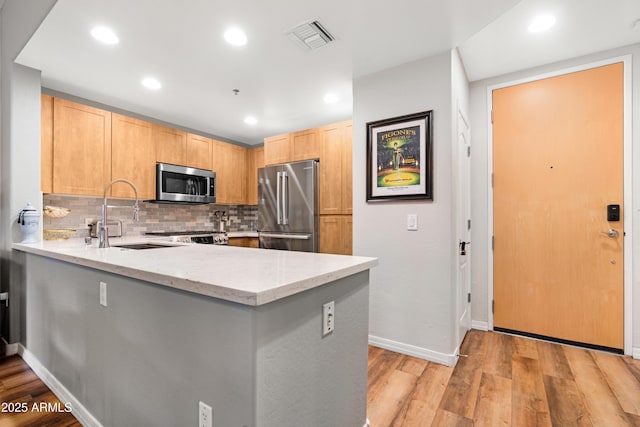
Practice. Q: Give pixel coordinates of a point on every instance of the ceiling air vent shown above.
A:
(311, 35)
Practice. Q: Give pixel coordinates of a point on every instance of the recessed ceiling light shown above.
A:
(105, 35)
(250, 120)
(331, 98)
(151, 83)
(541, 23)
(235, 36)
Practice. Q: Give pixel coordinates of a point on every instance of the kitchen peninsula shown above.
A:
(239, 329)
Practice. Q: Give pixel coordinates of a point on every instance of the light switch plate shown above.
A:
(412, 222)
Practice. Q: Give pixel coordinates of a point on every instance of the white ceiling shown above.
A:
(582, 27)
(181, 44)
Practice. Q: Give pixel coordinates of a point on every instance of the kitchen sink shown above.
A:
(138, 246)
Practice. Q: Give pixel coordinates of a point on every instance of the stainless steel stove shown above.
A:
(205, 237)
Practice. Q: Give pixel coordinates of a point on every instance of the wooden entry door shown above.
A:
(558, 162)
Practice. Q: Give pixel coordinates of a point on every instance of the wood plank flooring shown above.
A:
(20, 390)
(505, 381)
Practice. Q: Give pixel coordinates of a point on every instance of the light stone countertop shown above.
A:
(244, 275)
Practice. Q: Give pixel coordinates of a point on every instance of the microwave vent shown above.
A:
(311, 35)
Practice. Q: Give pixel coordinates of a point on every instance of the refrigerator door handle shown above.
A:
(286, 236)
(285, 198)
(278, 197)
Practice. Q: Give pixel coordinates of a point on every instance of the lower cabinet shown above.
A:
(245, 242)
(336, 234)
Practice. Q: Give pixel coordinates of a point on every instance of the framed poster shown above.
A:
(399, 158)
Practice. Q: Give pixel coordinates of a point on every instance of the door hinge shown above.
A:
(493, 306)
(469, 151)
(491, 116)
(468, 224)
(493, 243)
(491, 179)
(468, 297)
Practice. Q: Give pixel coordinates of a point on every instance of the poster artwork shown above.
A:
(399, 157)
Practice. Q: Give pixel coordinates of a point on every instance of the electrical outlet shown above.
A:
(328, 317)
(205, 415)
(103, 294)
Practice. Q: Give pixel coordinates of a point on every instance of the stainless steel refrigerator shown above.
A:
(288, 206)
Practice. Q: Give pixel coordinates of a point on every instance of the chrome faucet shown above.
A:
(103, 232)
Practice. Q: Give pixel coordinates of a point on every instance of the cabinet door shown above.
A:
(347, 235)
(305, 145)
(133, 156)
(330, 234)
(336, 234)
(46, 143)
(229, 163)
(255, 160)
(171, 145)
(199, 151)
(239, 241)
(81, 148)
(277, 149)
(331, 173)
(347, 166)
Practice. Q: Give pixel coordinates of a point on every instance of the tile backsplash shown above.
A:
(152, 216)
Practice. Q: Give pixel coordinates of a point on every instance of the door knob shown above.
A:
(463, 247)
(611, 233)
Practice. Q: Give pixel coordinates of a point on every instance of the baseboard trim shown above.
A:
(481, 326)
(636, 353)
(411, 350)
(79, 411)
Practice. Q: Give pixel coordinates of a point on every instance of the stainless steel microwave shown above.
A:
(183, 184)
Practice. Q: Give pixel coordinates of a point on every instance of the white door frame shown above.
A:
(628, 182)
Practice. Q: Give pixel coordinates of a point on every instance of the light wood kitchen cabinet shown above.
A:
(336, 234)
(277, 149)
(255, 160)
(81, 148)
(335, 169)
(199, 151)
(171, 145)
(46, 143)
(305, 145)
(347, 169)
(229, 163)
(133, 156)
(245, 242)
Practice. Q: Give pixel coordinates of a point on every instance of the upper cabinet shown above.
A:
(277, 149)
(230, 165)
(335, 169)
(255, 160)
(133, 156)
(291, 147)
(304, 145)
(46, 144)
(81, 148)
(171, 145)
(199, 151)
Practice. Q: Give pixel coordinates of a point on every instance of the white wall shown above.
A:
(480, 180)
(20, 144)
(411, 306)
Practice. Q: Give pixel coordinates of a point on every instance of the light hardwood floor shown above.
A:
(20, 390)
(505, 381)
